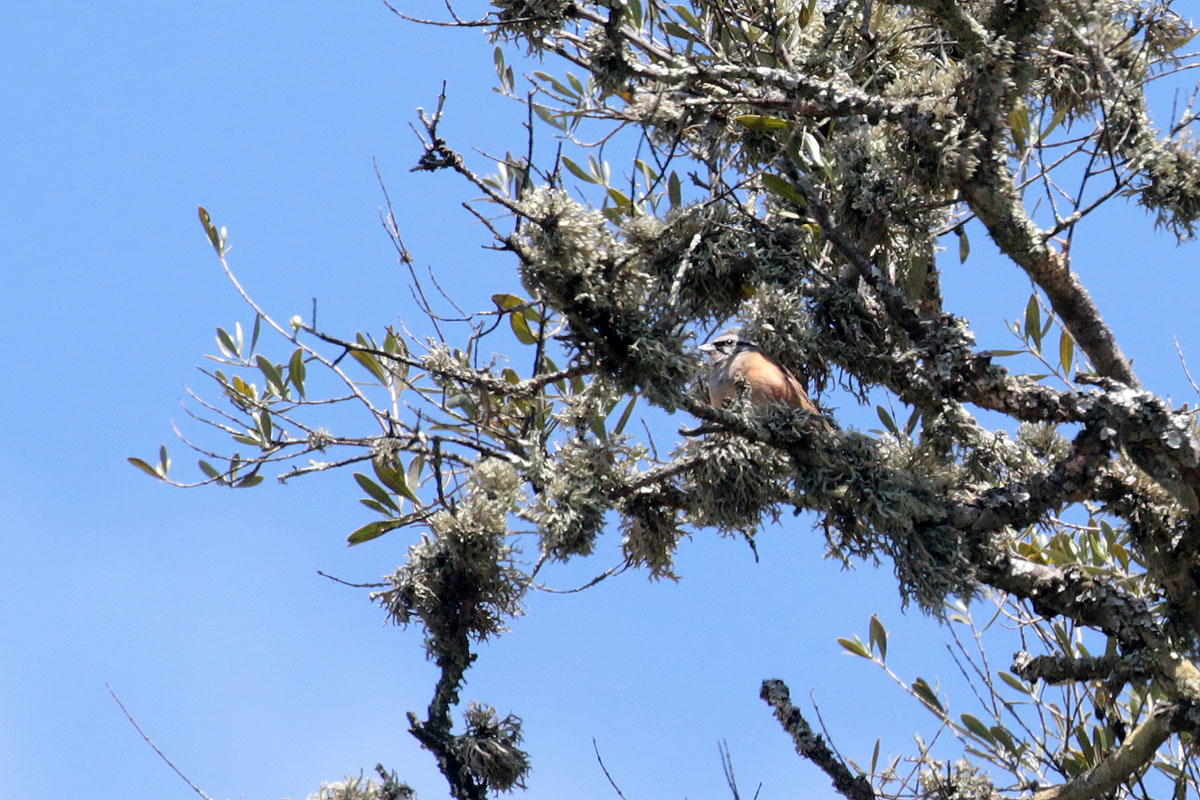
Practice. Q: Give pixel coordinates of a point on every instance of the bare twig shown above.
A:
(153, 746)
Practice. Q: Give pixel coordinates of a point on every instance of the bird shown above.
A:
(737, 362)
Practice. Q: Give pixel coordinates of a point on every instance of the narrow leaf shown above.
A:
(508, 302)
(855, 646)
(886, 419)
(578, 171)
(377, 492)
(413, 477)
(297, 370)
(975, 726)
(144, 467)
(1066, 351)
(1033, 322)
(925, 693)
(394, 479)
(373, 530)
(780, 187)
(619, 198)
(271, 373)
(879, 637)
(371, 363)
(225, 342)
(214, 236)
(624, 420)
(755, 122)
(520, 327)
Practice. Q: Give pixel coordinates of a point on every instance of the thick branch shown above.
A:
(811, 746)
(1070, 669)
(1123, 763)
(991, 196)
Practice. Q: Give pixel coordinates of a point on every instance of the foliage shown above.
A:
(803, 168)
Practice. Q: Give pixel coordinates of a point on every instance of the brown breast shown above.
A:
(768, 381)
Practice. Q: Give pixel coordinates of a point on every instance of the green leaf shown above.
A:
(1033, 322)
(879, 637)
(911, 425)
(214, 236)
(674, 190)
(855, 646)
(508, 302)
(551, 119)
(413, 477)
(756, 122)
(1001, 735)
(780, 187)
(555, 82)
(371, 363)
(925, 693)
(378, 508)
(1059, 115)
(520, 327)
(377, 492)
(1018, 121)
(164, 462)
(1014, 682)
(886, 419)
(225, 342)
(245, 389)
(248, 481)
(1066, 351)
(624, 420)
(578, 171)
(373, 530)
(264, 427)
(144, 467)
(619, 198)
(395, 479)
(805, 17)
(964, 245)
(975, 726)
(209, 470)
(688, 17)
(272, 374)
(297, 371)
(254, 333)
(812, 149)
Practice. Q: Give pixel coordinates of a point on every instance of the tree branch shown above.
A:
(811, 745)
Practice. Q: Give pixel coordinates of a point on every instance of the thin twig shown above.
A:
(611, 782)
(353, 585)
(153, 746)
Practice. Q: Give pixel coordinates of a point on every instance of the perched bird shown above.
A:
(740, 361)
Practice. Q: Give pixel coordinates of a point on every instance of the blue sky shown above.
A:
(203, 608)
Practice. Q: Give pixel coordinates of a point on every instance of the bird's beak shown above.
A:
(706, 348)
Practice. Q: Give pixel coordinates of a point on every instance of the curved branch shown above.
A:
(1134, 754)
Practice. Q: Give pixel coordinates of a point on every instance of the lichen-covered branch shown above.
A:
(810, 745)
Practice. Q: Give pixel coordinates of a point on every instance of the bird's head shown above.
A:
(725, 346)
